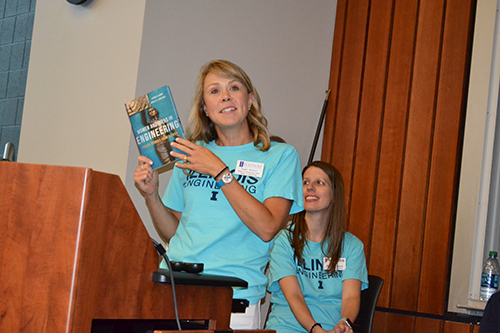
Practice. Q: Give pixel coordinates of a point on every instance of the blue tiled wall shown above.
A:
(16, 29)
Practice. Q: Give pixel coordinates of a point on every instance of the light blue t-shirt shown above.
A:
(211, 233)
(322, 292)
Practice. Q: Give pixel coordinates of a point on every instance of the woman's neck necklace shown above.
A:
(229, 142)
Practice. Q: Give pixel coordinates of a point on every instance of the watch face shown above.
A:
(227, 177)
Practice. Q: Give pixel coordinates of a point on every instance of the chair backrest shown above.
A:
(369, 298)
(491, 320)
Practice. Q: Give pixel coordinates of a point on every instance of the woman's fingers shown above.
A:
(195, 157)
(144, 172)
(181, 156)
(185, 143)
(144, 160)
(190, 151)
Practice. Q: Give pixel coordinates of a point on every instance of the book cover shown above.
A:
(155, 123)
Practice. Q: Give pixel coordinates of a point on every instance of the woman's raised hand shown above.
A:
(196, 158)
(145, 177)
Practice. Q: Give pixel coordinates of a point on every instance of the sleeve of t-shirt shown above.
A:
(285, 180)
(282, 263)
(354, 253)
(173, 197)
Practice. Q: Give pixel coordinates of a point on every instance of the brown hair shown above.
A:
(201, 127)
(337, 219)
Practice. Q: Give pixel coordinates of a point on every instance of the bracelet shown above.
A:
(347, 321)
(313, 326)
(221, 172)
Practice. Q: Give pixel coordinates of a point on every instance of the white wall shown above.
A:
(285, 47)
(83, 67)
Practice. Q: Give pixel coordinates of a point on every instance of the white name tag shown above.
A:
(251, 169)
(341, 264)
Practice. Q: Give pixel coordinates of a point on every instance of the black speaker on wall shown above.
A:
(77, 2)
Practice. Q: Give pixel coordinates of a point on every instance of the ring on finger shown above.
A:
(185, 158)
(142, 166)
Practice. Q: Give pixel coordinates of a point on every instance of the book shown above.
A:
(155, 123)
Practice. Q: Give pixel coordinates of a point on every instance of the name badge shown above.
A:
(341, 264)
(251, 169)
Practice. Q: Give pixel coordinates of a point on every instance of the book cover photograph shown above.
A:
(155, 123)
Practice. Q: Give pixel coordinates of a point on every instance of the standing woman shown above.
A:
(317, 269)
(233, 190)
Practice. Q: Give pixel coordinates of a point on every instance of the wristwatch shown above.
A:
(226, 179)
(347, 321)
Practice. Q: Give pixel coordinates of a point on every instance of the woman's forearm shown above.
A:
(264, 219)
(351, 298)
(293, 294)
(165, 221)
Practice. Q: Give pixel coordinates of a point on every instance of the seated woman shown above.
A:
(317, 269)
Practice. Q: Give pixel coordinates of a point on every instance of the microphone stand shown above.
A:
(318, 129)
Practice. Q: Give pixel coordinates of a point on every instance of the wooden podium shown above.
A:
(74, 249)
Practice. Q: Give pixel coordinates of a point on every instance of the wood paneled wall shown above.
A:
(394, 128)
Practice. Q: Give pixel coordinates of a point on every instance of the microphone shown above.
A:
(162, 252)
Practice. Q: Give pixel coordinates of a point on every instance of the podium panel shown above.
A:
(75, 249)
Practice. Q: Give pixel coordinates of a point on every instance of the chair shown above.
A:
(491, 320)
(369, 298)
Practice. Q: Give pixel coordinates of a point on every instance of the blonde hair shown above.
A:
(201, 128)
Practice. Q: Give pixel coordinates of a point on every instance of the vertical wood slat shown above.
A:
(417, 157)
(393, 323)
(349, 89)
(392, 144)
(335, 70)
(369, 123)
(444, 166)
(428, 325)
(454, 327)
(393, 128)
